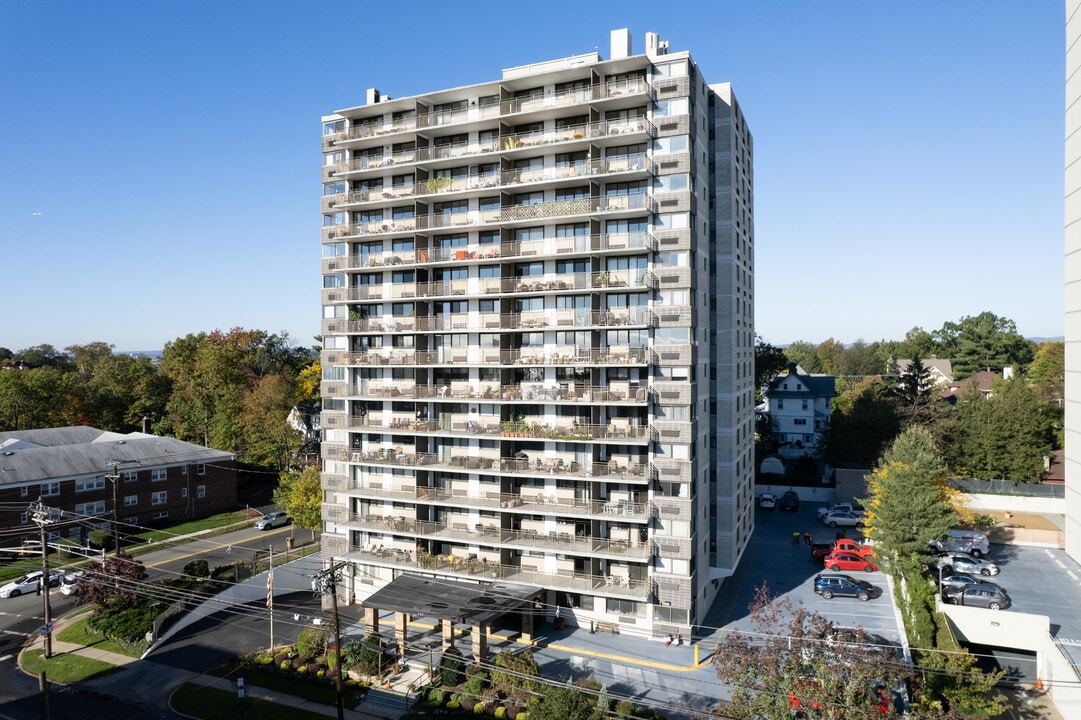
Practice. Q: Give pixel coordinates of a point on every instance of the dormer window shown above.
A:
(798, 386)
(784, 386)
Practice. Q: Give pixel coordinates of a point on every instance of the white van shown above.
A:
(973, 542)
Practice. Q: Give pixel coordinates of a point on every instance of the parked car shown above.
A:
(829, 585)
(840, 507)
(29, 583)
(842, 518)
(819, 551)
(273, 520)
(848, 561)
(951, 563)
(767, 501)
(70, 584)
(861, 549)
(790, 501)
(973, 542)
(960, 581)
(985, 595)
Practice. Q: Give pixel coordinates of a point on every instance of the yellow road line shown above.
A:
(195, 554)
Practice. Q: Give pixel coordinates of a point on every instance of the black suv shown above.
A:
(829, 584)
(790, 501)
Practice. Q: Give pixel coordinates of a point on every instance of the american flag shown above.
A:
(269, 588)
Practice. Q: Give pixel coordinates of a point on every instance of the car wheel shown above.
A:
(864, 595)
(828, 594)
(15, 593)
(868, 568)
(947, 569)
(985, 572)
(833, 524)
(835, 567)
(976, 553)
(994, 606)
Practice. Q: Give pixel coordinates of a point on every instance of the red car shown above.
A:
(852, 546)
(844, 560)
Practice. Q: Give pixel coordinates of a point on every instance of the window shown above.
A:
(780, 404)
(161, 515)
(133, 520)
(91, 508)
(131, 476)
(626, 607)
(666, 613)
(158, 474)
(804, 404)
(88, 484)
(183, 492)
(200, 491)
(24, 491)
(24, 518)
(130, 500)
(159, 498)
(51, 488)
(799, 421)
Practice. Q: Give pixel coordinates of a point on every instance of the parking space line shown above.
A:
(1060, 564)
(1050, 554)
(1071, 574)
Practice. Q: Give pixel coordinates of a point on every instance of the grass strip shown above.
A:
(78, 634)
(65, 667)
(212, 704)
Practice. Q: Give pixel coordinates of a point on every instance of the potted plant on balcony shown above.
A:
(602, 280)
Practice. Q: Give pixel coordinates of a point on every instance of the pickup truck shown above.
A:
(864, 551)
(840, 507)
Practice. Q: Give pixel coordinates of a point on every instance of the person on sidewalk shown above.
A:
(795, 537)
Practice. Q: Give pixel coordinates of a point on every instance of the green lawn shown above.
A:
(324, 692)
(64, 667)
(76, 632)
(213, 704)
(207, 523)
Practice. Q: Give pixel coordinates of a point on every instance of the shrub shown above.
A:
(321, 674)
(264, 659)
(453, 705)
(312, 642)
(523, 716)
(501, 712)
(475, 685)
(478, 709)
(436, 695)
(512, 712)
(286, 665)
(197, 569)
(450, 667)
(625, 708)
(100, 538)
(302, 670)
(511, 667)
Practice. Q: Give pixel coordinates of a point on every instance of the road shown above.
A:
(21, 618)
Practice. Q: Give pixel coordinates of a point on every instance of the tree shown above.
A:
(983, 342)
(1048, 370)
(110, 583)
(863, 421)
(269, 439)
(768, 362)
(915, 395)
(300, 495)
(805, 355)
(791, 660)
(830, 354)
(910, 502)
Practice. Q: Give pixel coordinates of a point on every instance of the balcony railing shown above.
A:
(628, 472)
(472, 567)
(564, 541)
(384, 127)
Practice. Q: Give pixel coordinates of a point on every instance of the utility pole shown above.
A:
(270, 596)
(114, 476)
(43, 515)
(323, 583)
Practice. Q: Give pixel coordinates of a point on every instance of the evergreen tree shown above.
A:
(909, 501)
(984, 342)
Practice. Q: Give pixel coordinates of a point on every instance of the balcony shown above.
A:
(558, 541)
(445, 152)
(380, 126)
(457, 565)
(628, 471)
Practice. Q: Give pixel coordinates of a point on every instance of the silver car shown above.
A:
(272, 520)
(966, 564)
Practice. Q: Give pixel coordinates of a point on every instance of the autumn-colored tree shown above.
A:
(300, 495)
(110, 583)
(268, 438)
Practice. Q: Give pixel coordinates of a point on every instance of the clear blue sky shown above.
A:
(908, 156)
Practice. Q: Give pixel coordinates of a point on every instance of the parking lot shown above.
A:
(788, 569)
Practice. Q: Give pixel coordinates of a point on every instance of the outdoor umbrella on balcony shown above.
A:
(520, 455)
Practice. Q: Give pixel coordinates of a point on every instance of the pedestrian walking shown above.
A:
(807, 538)
(795, 538)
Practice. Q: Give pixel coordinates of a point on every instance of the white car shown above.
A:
(767, 501)
(29, 583)
(272, 520)
(839, 507)
(70, 585)
(842, 518)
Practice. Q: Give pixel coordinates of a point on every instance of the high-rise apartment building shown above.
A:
(538, 332)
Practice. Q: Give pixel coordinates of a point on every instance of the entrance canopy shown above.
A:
(459, 602)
